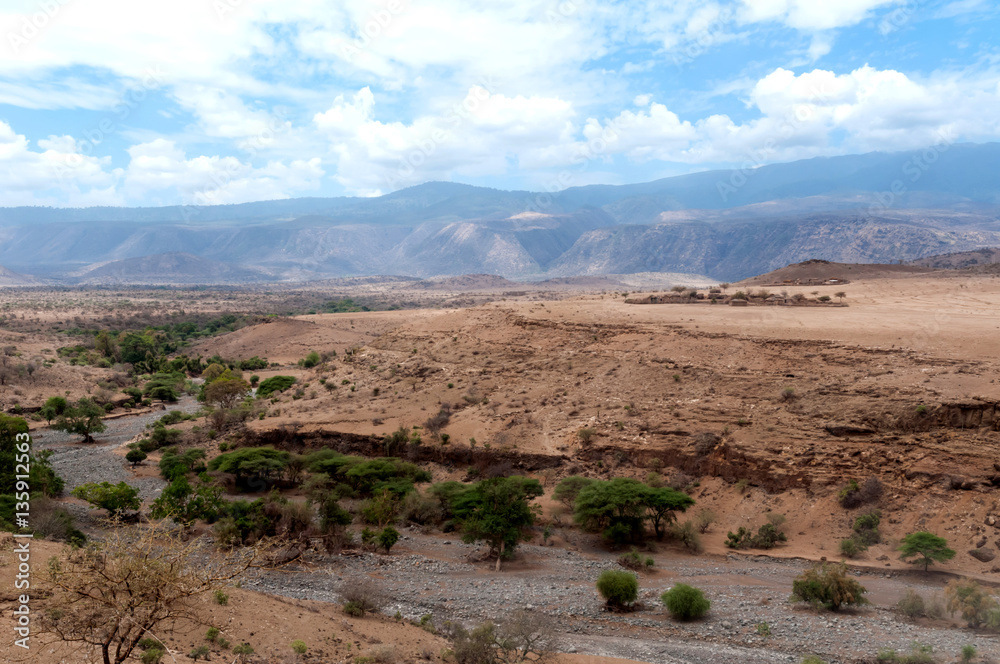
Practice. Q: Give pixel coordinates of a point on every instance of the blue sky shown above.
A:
(117, 102)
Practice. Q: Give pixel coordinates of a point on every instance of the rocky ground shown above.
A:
(428, 574)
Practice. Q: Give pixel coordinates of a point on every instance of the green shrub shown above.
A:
(851, 547)
(274, 384)
(685, 602)
(619, 589)
(212, 634)
(631, 560)
(299, 647)
(968, 653)
(152, 656)
(766, 538)
(221, 598)
(828, 586)
(387, 538)
(199, 652)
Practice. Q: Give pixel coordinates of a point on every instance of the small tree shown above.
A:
(109, 595)
(498, 511)
(619, 589)
(927, 545)
(970, 600)
(83, 419)
(135, 457)
(840, 295)
(226, 391)
(828, 586)
(685, 602)
(115, 498)
(387, 538)
(568, 489)
(53, 408)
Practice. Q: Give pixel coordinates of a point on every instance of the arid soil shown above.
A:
(756, 409)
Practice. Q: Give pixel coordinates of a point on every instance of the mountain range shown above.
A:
(876, 207)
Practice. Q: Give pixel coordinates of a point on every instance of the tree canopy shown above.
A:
(619, 508)
(497, 511)
(928, 546)
(83, 418)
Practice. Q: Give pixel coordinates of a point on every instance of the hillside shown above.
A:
(829, 208)
(170, 268)
(816, 272)
(11, 278)
(962, 260)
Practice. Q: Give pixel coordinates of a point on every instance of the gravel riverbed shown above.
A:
(431, 575)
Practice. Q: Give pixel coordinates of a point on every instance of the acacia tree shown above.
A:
(226, 391)
(925, 544)
(83, 419)
(109, 595)
(497, 511)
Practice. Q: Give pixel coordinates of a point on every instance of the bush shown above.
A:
(619, 589)
(362, 595)
(687, 535)
(704, 519)
(766, 538)
(632, 560)
(299, 647)
(310, 360)
(971, 601)
(221, 598)
(115, 498)
(912, 604)
(274, 384)
(851, 547)
(685, 602)
(387, 538)
(866, 528)
(212, 634)
(853, 495)
(828, 586)
(135, 457)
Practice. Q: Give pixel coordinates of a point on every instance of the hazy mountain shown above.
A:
(170, 268)
(962, 260)
(11, 278)
(727, 224)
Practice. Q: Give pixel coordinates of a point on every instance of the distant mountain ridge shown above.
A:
(727, 224)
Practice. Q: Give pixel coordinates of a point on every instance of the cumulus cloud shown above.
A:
(477, 135)
(159, 166)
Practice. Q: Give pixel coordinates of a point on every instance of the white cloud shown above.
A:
(57, 172)
(478, 135)
(811, 14)
(160, 167)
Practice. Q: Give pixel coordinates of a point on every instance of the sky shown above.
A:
(125, 103)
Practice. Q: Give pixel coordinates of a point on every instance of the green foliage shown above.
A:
(310, 360)
(53, 408)
(619, 508)
(387, 538)
(968, 653)
(866, 527)
(41, 477)
(299, 647)
(261, 463)
(920, 653)
(173, 465)
(828, 586)
(212, 634)
(928, 546)
(135, 457)
(164, 386)
(497, 511)
(274, 384)
(973, 602)
(83, 419)
(152, 656)
(380, 510)
(632, 560)
(201, 652)
(569, 488)
(767, 537)
(115, 498)
(184, 503)
(685, 602)
(619, 589)
(222, 599)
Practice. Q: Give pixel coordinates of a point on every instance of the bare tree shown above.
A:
(108, 596)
